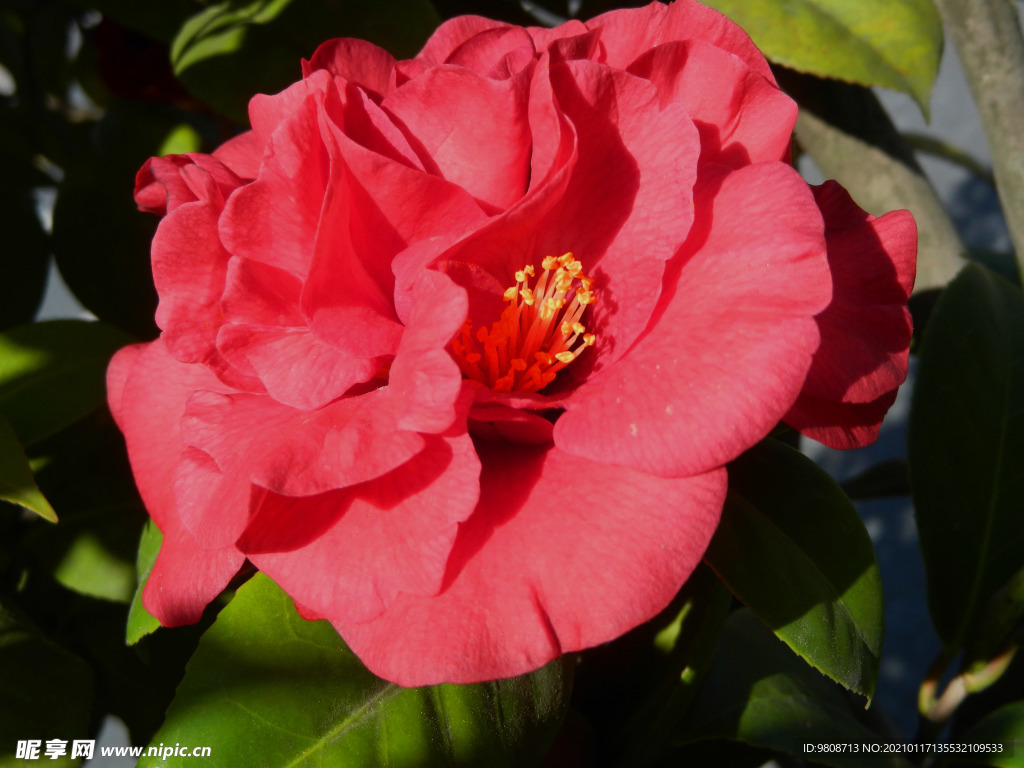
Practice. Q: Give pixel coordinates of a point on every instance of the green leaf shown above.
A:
(232, 50)
(140, 621)
(690, 642)
(965, 445)
(893, 43)
(997, 624)
(17, 485)
(87, 552)
(46, 692)
(1004, 726)
(53, 373)
(266, 687)
(791, 546)
(759, 693)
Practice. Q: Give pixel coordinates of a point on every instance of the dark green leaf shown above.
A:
(886, 478)
(1002, 727)
(791, 547)
(140, 621)
(101, 241)
(965, 446)
(266, 687)
(233, 50)
(893, 43)
(997, 624)
(690, 642)
(141, 17)
(45, 691)
(17, 485)
(53, 373)
(759, 693)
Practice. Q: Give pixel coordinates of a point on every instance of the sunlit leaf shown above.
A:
(965, 446)
(893, 43)
(16, 482)
(792, 548)
(140, 621)
(266, 687)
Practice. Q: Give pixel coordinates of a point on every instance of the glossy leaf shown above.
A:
(893, 43)
(140, 621)
(232, 50)
(266, 687)
(17, 485)
(965, 446)
(53, 373)
(759, 693)
(1005, 727)
(792, 548)
(45, 691)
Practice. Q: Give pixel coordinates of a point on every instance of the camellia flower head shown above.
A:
(456, 349)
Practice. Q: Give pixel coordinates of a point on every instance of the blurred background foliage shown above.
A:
(757, 656)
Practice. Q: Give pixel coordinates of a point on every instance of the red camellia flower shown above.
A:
(456, 349)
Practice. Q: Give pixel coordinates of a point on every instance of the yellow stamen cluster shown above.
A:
(533, 340)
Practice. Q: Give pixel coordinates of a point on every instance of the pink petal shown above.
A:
(358, 61)
(453, 33)
(742, 116)
(480, 140)
(148, 389)
(295, 366)
(187, 576)
(274, 219)
(731, 342)
(295, 452)
(424, 380)
(629, 33)
(351, 552)
(212, 506)
(561, 554)
(242, 155)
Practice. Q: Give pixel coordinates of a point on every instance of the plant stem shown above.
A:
(988, 38)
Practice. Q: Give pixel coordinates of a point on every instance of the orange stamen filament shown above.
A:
(535, 336)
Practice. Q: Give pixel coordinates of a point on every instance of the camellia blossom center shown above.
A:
(535, 336)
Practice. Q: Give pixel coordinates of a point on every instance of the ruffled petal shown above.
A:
(742, 117)
(295, 452)
(358, 61)
(865, 330)
(147, 390)
(731, 343)
(351, 552)
(629, 33)
(561, 554)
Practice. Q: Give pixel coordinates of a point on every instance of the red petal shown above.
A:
(358, 61)
(629, 33)
(300, 453)
(728, 350)
(865, 331)
(742, 116)
(148, 390)
(561, 554)
(350, 552)
(480, 140)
